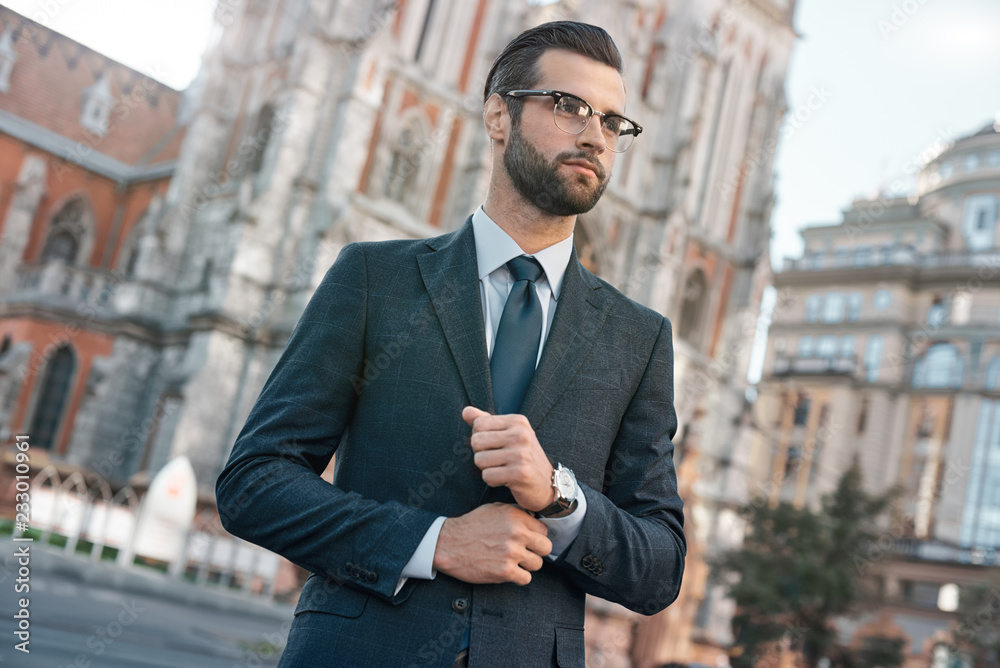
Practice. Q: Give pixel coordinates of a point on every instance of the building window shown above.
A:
(805, 346)
(801, 410)
(947, 169)
(95, 107)
(52, 399)
(882, 300)
(401, 178)
(8, 56)
(971, 162)
(813, 304)
(424, 31)
(863, 256)
(61, 246)
(993, 159)
(854, 301)
(826, 346)
(847, 345)
(979, 220)
(833, 307)
(941, 366)
(873, 357)
(937, 314)
(991, 381)
(258, 142)
(692, 306)
(66, 232)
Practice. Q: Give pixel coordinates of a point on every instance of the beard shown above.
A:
(539, 182)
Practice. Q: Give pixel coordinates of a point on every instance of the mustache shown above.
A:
(589, 158)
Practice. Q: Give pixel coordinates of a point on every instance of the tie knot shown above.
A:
(524, 268)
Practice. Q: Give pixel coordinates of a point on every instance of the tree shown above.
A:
(798, 570)
(978, 631)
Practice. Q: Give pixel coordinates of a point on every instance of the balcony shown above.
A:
(898, 256)
(785, 365)
(64, 285)
(934, 550)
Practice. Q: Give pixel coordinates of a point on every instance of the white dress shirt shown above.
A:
(494, 248)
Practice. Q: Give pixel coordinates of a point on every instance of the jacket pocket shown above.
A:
(322, 595)
(569, 647)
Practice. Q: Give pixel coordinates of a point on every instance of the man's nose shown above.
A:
(593, 135)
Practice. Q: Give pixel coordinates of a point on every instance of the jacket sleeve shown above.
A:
(270, 491)
(631, 546)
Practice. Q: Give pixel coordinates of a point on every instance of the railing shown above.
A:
(894, 256)
(932, 550)
(814, 365)
(82, 508)
(76, 285)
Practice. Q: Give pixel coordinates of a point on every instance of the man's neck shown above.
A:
(532, 229)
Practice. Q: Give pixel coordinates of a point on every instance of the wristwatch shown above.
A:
(564, 484)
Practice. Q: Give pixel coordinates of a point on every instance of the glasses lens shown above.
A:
(571, 114)
(619, 132)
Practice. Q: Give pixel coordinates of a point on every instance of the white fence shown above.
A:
(85, 509)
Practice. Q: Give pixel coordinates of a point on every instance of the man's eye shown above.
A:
(574, 106)
(614, 124)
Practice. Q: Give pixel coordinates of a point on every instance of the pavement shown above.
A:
(149, 582)
(87, 614)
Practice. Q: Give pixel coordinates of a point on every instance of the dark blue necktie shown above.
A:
(518, 337)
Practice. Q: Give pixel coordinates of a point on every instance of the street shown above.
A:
(89, 622)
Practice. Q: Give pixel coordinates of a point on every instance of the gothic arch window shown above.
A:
(67, 232)
(258, 142)
(61, 245)
(53, 397)
(693, 306)
(941, 366)
(401, 178)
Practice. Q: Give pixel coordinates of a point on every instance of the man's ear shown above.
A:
(496, 118)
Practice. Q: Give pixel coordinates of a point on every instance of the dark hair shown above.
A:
(517, 65)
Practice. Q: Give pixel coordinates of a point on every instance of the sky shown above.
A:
(874, 88)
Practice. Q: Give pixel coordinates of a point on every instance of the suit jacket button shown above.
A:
(588, 561)
(371, 577)
(460, 604)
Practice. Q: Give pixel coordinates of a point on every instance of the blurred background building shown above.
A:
(885, 347)
(159, 246)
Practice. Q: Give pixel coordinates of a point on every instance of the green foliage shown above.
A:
(977, 633)
(798, 570)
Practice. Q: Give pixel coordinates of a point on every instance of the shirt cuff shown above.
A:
(421, 564)
(564, 530)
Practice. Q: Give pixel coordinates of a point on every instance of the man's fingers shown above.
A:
(539, 544)
(470, 413)
(530, 561)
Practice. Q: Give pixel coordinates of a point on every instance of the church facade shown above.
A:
(156, 255)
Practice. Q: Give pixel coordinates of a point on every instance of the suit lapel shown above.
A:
(580, 314)
(451, 277)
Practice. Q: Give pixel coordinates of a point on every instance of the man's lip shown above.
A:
(582, 164)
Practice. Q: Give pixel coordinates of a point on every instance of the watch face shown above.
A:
(565, 483)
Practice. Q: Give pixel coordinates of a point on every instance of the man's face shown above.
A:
(561, 173)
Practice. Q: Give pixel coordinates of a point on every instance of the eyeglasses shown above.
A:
(572, 114)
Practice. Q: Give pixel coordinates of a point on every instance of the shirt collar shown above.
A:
(494, 248)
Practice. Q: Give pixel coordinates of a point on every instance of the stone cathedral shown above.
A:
(158, 246)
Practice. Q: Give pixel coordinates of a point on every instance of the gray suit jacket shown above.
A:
(388, 351)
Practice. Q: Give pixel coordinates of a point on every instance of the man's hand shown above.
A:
(508, 453)
(494, 543)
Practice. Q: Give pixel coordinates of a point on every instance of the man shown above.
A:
(465, 379)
